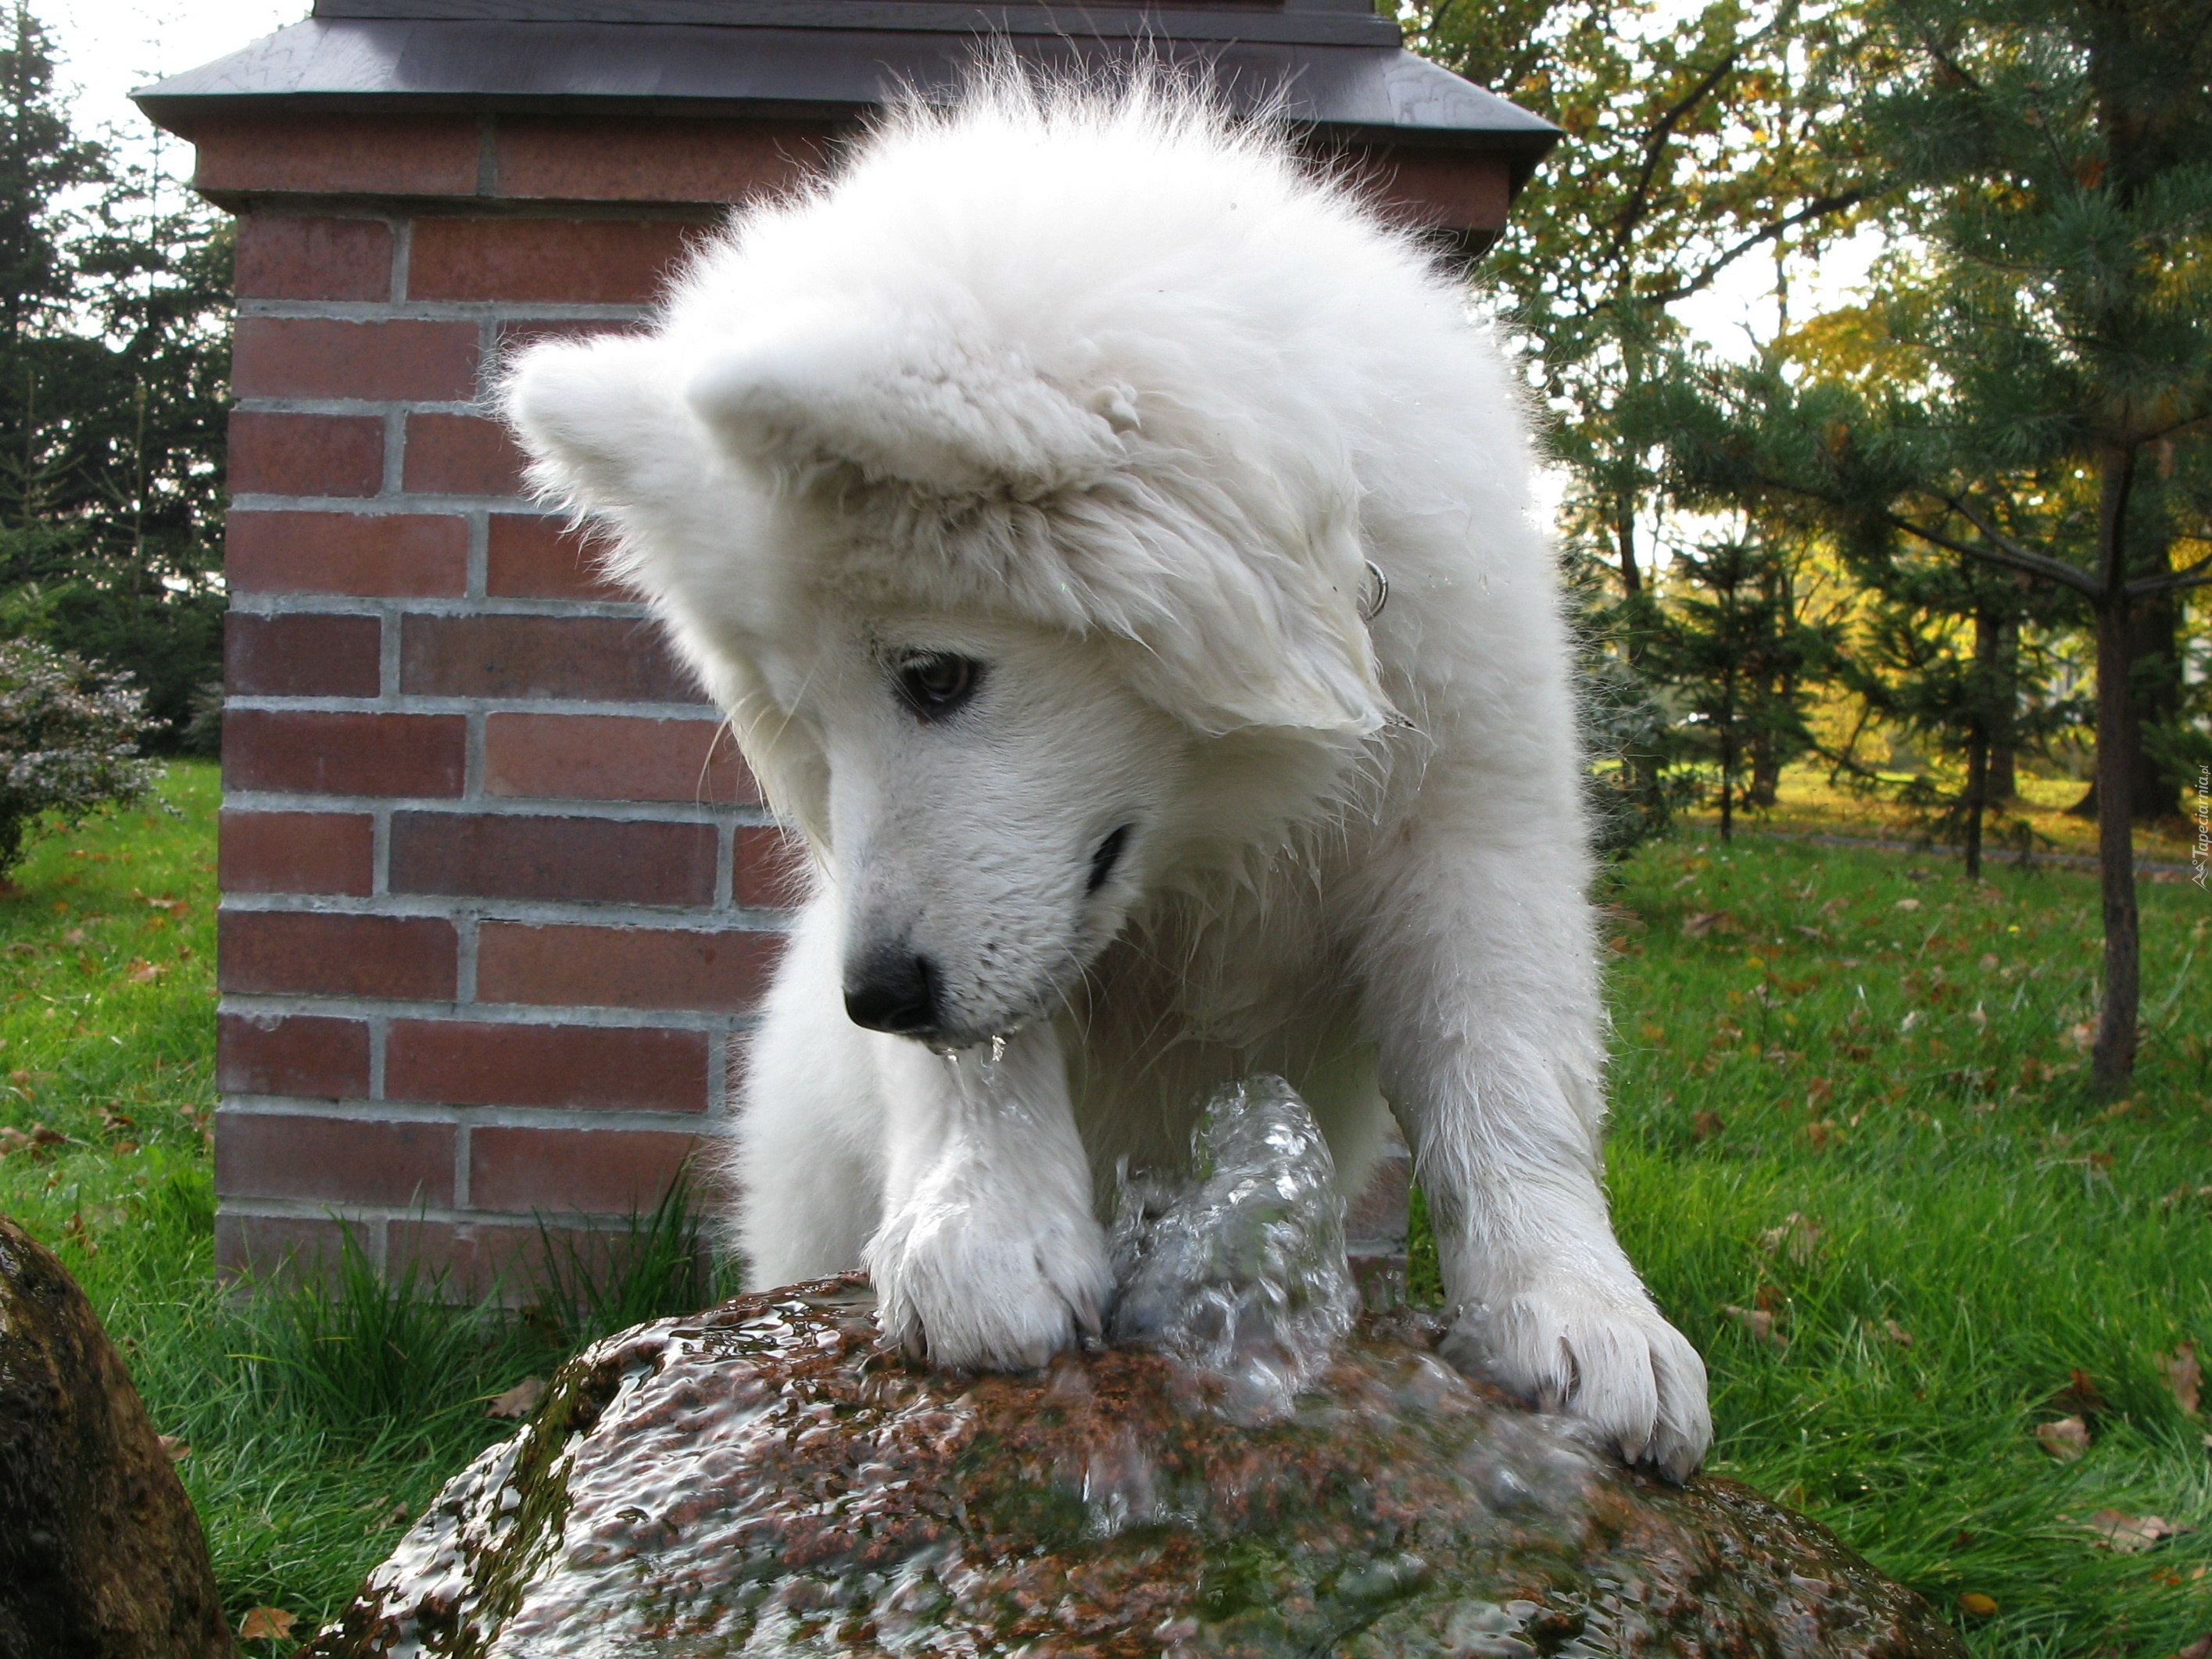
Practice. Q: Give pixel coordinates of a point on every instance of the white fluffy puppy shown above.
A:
(1016, 493)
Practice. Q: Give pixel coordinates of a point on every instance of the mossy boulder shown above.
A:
(100, 1554)
(763, 1478)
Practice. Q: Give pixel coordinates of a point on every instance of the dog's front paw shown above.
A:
(1599, 1352)
(961, 1288)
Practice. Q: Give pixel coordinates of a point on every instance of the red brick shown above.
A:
(463, 1063)
(474, 1259)
(722, 972)
(297, 952)
(382, 554)
(770, 867)
(596, 1171)
(460, 455)
(597, 658)
(283, 1248)
(512, 336)
(568, 158)
(334, 154)
(575, 261)
(509, 856)
(287, 256)
(340, 1160)
(296, 853)
(300, 655)
(291, 1054)
(329, 357)
(306, 454)
(331, 754)
(533, 558)
(613, 758)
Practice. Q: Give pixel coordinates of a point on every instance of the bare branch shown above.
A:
(1819, 207)
(2198, 575)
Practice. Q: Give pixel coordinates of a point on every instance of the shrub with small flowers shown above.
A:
(70, 732)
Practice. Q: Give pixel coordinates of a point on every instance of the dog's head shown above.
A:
(1020, 576)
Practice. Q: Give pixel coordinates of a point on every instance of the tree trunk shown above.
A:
(1977, 783)
(2113, 1060)
(1624, 540)
(2154, 695)
(2003, 660)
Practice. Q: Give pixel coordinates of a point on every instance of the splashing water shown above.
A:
(1240, 1275)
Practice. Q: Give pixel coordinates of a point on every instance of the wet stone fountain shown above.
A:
(1253, 1466)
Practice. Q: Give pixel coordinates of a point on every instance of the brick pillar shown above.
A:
(498, 896)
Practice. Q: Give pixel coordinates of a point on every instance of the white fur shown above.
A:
(1119, 401)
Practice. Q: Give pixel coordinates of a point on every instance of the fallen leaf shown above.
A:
(144, 972)
(1652, 1032)
(168, 903)
(2080, 1397)
(178, 1449)
(397, 1515)
(2083, 1036)
(1908, 904)
(1705, 1125)
(1975, 1602)
(2185, 1376)
(114, 1121)
(519, 1400)
(2131, 1534)
(81, 1235)
(2202, 1647)
(1699, 923)
(1823, 1134)
(1758, 1323)
(1819, 1092)
(267, 1624)
(1797, 1235)
(1897, 1333)
(2067, 1440)
(1811, 933)
(74, 936)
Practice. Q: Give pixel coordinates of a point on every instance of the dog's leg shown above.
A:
(989, 1256)
(1482, 997)
(809, 1157)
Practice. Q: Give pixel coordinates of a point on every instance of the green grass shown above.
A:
(1952, 1175)
(1870, 1044)
(320, 1420)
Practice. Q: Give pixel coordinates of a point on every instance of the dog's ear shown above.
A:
(1275, 640)
(906, 404)
(599, 419)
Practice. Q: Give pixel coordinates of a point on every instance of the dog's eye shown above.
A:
(936, 682)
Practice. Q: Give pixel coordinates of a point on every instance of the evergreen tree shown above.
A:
(2053, 158)
(1737, 658)
(113, 356)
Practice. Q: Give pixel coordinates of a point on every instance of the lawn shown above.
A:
(1854, 1151)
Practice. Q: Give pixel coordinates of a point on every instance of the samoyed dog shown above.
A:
(1112, 546)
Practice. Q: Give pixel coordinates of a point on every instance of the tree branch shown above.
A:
(2198, 575)
(1819, 207)
(2006, 553)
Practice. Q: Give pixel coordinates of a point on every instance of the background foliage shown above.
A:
(114, 319)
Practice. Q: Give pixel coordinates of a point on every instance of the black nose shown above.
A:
(893, 989)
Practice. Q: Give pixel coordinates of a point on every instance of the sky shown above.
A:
(109, 46)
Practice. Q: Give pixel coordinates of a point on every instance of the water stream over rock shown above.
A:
(1250, 1471)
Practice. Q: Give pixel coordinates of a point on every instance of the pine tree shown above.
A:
(113, 356)
(2053, 160)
